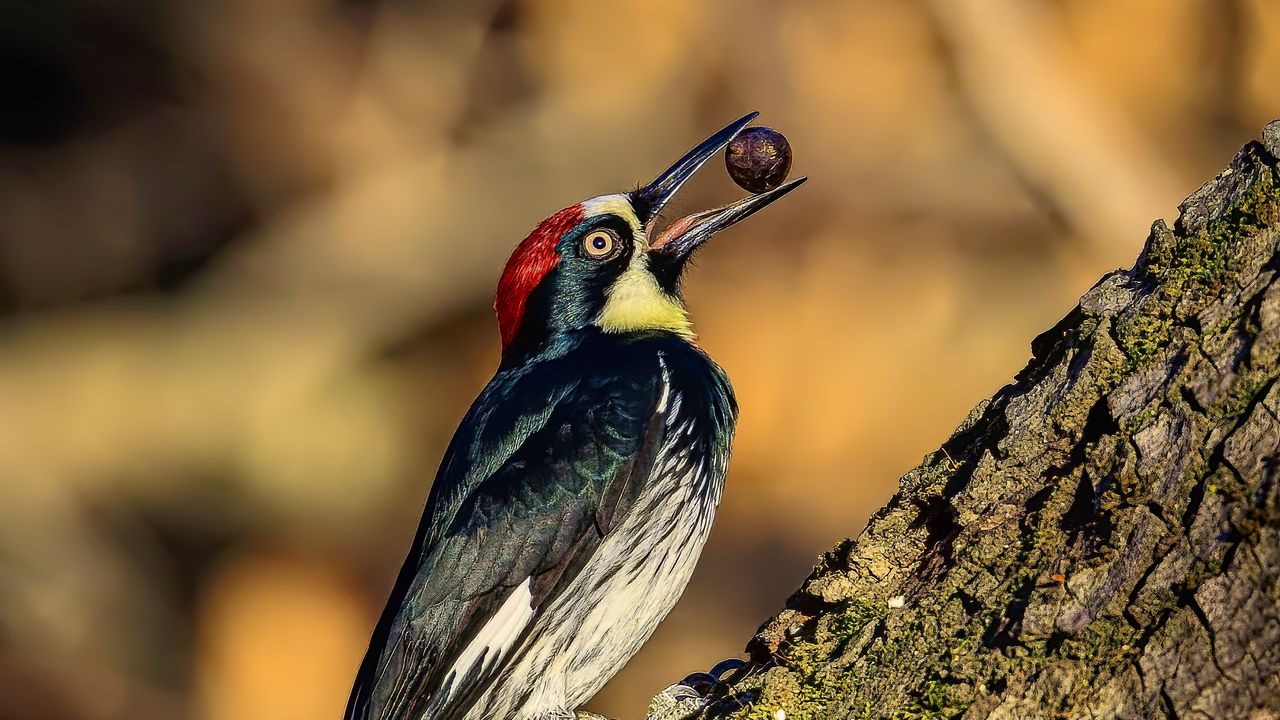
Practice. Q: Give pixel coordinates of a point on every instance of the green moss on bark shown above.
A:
(1048, 559)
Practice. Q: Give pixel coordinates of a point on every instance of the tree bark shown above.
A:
(1099, 539)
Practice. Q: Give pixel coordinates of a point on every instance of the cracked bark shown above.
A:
(1099, 539)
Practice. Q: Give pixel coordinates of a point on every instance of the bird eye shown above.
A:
(600, 244)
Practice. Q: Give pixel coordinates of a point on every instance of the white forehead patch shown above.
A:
(616, 205)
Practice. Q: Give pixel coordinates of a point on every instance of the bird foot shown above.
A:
(689, 697)
(676, 702)
(683, 700)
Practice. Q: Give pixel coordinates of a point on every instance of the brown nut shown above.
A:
(758, 159)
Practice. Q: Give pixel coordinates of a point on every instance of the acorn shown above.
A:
(758, 159)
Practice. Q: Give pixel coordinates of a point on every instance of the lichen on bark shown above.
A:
(1099, 539)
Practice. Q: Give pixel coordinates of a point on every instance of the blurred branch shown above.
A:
(1097, 172)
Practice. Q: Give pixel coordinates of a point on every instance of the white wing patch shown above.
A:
(494, 639)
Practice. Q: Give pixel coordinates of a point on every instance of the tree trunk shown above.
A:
(1099, 539)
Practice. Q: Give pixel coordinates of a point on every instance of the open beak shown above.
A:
(671, 249)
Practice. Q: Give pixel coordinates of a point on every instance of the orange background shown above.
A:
(247, 251)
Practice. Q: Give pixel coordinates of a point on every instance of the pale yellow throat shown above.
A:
(636, 302)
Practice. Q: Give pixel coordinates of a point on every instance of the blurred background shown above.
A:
(247, 251)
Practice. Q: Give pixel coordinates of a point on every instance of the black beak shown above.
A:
(649, 200)
(686, 234)
(672, 248)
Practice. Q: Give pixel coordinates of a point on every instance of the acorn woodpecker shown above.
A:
(574, 500)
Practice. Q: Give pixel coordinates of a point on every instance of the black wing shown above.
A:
(547, 457)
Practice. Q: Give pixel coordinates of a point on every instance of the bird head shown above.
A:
(600, 264)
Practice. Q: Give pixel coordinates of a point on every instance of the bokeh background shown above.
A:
(247, 251)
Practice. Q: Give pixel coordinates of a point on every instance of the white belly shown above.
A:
(614, 604)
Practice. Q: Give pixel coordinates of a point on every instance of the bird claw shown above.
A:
(727, 666)
(676, 702)
(692, 695)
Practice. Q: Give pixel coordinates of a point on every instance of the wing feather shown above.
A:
(522, 500)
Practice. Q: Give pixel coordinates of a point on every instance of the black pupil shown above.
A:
(600, 242)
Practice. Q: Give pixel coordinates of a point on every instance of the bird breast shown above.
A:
(634, 579)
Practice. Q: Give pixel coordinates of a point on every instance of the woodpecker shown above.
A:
(576, 495)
